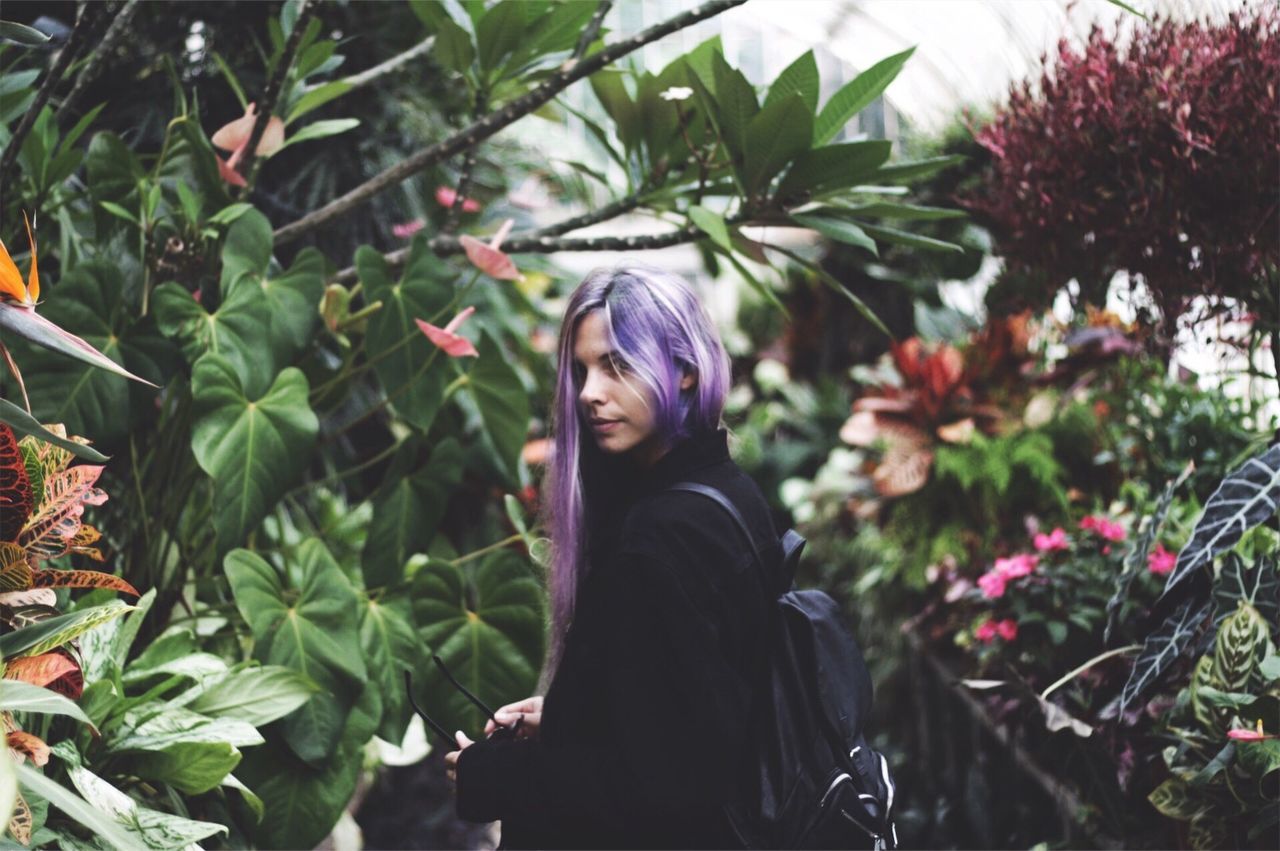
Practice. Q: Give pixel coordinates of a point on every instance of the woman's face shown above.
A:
(617, 407)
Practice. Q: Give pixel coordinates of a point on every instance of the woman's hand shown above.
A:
(451, 758)
(529, 709)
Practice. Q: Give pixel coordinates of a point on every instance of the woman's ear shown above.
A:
(688, 379)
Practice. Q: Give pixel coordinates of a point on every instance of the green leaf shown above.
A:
(453, 46)
(321, 130)
(834, 167)
(498, 33)
(75, 807)
(736, 106)
(50, 633)
(1270, 668)
(839, 230)
(1239, 646)
(911, 240)
(252, 448)
(316, 636)
(190, 767)
(910, 170)
(775, 136)
(1162, 648)
(494, 649)
(1258, 758)
(906, 212)
(230, 77)
(857, 94)
(502, 401)
(256, 696)
(1172, 798)
(407, 510)
(23, 424)
(612, 94)
(800, 77)
(8, 787)
(17, 696)
(116, 210)
(24, 35)
(1246, 497)
(390, 646)
(316, 98)
(1256, 583)
(712, 224)
(230, 213)
(424, 289)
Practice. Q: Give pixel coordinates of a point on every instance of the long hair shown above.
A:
(657, 325)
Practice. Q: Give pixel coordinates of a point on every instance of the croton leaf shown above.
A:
(486, 624)
(55, 670)
(56, 519)
(29, 745)
(51, 632)
(1162, 647)
(315, 635)
(1246, 497)
(252, 446)
(15, 570)
(20, 821)
(406, 371)
(15, 486)
(80, 579)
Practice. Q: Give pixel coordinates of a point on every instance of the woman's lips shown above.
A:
(604, 425)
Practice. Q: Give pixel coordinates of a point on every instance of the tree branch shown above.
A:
(464, 179)
(593, 29)
(369, 75)
(271, 95)
(478, 131)
(602, 214)
(60, 64)
(99, 57)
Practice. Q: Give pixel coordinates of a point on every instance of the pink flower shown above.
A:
(1007, 629)
(1247, 735)
(234, 137)
(487, 258)
(446, 196)
(454, 345)
(1017, 566)
(1105, 528)
(404, 230)
(1161, 561)
(992, 584)
(1054, 541)
(986, 631)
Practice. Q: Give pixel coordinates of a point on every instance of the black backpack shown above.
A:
(817, 784)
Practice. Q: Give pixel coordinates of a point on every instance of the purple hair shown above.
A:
(658, 326)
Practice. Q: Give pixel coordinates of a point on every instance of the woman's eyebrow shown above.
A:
(604, 357)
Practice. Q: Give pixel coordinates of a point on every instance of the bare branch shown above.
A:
(480, 130)
(601, 214)
(101, 52)
(464, 179)
(84, 22)
(593, 29)
(271, 94)
(369, 75)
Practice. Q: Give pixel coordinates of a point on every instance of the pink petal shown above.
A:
(1248, 735)
(459, 319)
(445, 197)
(498, 237)
(452, 345)
(407, 229)
(236, 133)
(229, 174)
(491, 261)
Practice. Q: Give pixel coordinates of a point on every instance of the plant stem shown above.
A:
(485, 549)
(102, 50)
(271, 95)
(592, 30)
(369, 75)
(1129, 648)
(342, 474)
(478, 131)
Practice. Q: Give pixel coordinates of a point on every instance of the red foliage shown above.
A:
(1161, 158)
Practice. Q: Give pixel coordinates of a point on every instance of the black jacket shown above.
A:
(644, 728)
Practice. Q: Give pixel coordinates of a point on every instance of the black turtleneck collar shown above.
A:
(701, 449)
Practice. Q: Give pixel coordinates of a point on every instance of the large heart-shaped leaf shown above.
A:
(391, 645)
(315, 635)
(502, 401)
(422, 292)
(1246, 497)
(486, 624)
(235, 331)
(407, 509)
(252, 446)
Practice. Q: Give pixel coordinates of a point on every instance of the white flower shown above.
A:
(677, 93)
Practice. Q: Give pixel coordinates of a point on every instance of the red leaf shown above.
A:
(80, 579)
(16, 500)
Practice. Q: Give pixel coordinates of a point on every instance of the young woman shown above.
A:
(658, 607)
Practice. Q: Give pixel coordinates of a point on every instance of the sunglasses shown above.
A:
(500, 731)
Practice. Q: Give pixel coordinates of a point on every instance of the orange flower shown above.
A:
(11, 286)
(487, 258)
(454, 345)
(234, 137)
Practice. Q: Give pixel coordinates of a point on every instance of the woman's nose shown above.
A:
(592, 390)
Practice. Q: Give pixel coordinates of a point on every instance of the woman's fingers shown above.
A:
(451, 758)
(530, 709)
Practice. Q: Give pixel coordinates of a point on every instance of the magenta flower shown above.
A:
(992, 584)
(1054, 541)
(453, 345)
(986, 631)
(446, 196)
(404, 230)
(1104, 528)
(1007, 629)
(1161, 561)
(1017, 566)
(1244, 734)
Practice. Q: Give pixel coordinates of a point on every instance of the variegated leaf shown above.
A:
(1162, 647)
(16, 499)
(57, 519)
(15, 570)
(21, 616)
(1258, 584)
(53, 632)
(1172, 799)
(49, 458)
(1245, 498)
(1202, 678)
(40, 670)
(1239, 647)
(30, 597)
(80, 579)
(21, 820)
(82, 543)
(28, 745)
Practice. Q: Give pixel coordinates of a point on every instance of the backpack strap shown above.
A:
(718, 495)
